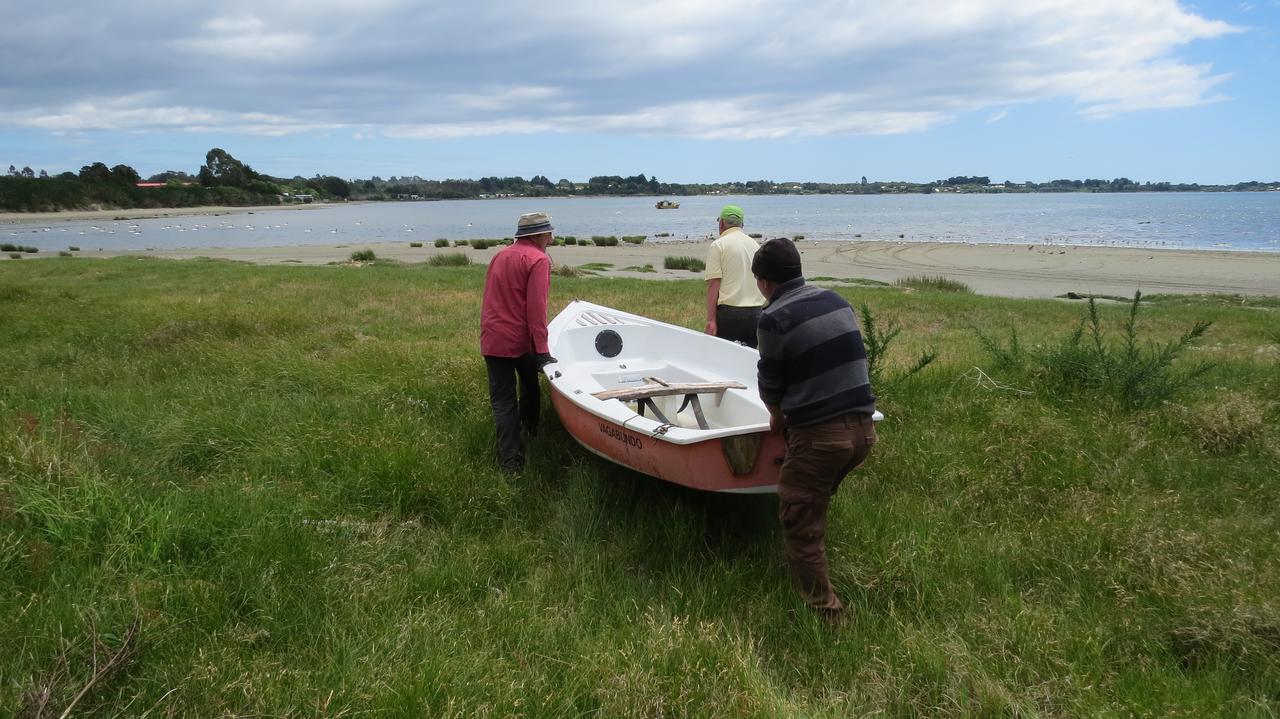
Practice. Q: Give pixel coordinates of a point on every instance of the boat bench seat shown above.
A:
(655, 387)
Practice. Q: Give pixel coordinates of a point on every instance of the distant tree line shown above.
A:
(221, 180)
(224, 180)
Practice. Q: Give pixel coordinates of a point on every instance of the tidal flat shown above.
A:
(271, 490)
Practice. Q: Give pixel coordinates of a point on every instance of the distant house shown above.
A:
(304, 198)
(151, 184)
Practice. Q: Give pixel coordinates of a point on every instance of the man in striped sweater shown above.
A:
(813, 378)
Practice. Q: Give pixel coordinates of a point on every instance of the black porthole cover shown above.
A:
(609, 343)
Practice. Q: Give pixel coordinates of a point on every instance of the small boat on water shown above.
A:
(667, 205)
(662, 400)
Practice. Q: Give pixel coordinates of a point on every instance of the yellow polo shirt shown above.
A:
(729, 260)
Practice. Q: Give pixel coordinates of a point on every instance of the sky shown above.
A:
(684, 90)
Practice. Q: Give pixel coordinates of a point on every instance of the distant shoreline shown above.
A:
(1027, 270)
(24, 218)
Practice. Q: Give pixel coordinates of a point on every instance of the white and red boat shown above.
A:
(663, 400)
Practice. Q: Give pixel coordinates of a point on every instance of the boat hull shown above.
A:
(706, 465)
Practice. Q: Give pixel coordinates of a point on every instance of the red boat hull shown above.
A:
(701, 465)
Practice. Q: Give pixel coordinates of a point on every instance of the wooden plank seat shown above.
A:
(644, 394)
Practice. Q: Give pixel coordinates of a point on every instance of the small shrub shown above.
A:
(561, 270)
(692, 264)
(15, 256)
(634, 239)
(933, 284)
(415, 244)
(31, 250)
(797, 238)
(449, 259)
(363, 256)
(663, 234)
(9, 247)
(877, 343)
(73, 248)
(64, 253)
(755, 235)
(601, 241)
(441, 242)
(570, 240)
(460, 243)
(480, 244)
(1134, 375)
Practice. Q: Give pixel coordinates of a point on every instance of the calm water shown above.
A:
(1236, 221)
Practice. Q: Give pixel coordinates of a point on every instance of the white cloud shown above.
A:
(725, 69)
(997, 117)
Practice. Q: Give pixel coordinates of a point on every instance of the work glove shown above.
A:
(543, 359)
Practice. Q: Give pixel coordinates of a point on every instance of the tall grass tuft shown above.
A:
(693, 264)
(933, 284)
(363, 256)
(1136, 373)
(877, 340)
(634, 239)
(449, 259)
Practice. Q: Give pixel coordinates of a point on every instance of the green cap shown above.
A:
(731, 212)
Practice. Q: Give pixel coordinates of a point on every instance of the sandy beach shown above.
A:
(991, 269)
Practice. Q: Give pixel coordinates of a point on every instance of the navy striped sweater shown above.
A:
(812, 360)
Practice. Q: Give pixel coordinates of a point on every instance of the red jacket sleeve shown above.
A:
(535, 304)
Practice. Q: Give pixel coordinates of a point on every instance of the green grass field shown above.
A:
(271, 491)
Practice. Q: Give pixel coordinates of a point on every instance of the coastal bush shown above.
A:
(634, 239)
(15, 255)
(73, 248)
(9, 247)
(480, 244)
(441, 242)
(64, 253)
(692, 264)
(570, 240)
(1134, 373)
(663, 234)
(877, 340)
(460, 243)
(415, 244)
(933, 284)
(561, 269)
(603, 241)
(449, 259)
(755, 235)
(797, 238)
(363, 256)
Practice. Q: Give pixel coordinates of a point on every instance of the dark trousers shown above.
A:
(737, 324)
(818, 458)
(510, 414)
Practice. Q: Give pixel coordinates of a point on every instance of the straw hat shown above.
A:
(533, 223)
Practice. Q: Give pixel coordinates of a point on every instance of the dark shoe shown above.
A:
(512, 469)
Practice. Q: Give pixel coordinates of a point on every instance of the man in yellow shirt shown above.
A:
(733, 301)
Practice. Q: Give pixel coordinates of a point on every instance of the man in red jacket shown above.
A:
(513, 333)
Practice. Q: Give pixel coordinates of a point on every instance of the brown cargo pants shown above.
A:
(818, 458)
